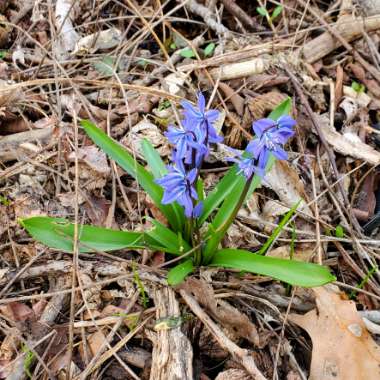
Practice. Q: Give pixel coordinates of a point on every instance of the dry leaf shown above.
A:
(93, 157)
(105, 39)
(264, 103)
(17, 311)
(174, 83)
(233, 374)
(146, 130)
(285, 182)
(230, 317)
(348, 144)
(342, 347)
(68, 35)
(283, 252)
(94, 343)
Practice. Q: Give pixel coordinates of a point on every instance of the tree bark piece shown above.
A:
(348, 27)
(239, 354)
(172, 355)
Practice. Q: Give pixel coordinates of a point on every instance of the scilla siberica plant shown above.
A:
(196, 223)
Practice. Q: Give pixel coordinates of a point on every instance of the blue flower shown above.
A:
(247, 164)
(201, 121)
(179, 186)
(271, 137)
(183, 140)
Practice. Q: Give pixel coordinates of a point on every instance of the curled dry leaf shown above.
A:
(285, 182)
(348, 144)
(146, 130)
(342, 347)
(9, 93)
(93, 157)
(68, 34)
(237, 323)
(264, 103)
(105, 39)
(173, 83)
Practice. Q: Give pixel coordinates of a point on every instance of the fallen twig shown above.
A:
(208, 17)
(239, 354)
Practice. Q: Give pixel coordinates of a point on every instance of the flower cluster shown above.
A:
(271, 136)
(191, 145)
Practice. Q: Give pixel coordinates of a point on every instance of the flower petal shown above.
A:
(260, 126)
(201, 102)
(280, 154)
(171, 196)
(286, 121)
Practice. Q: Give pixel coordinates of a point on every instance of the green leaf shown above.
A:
(209, 49)
(154, 160)
(187, 53)
(58, 233)
(283, 108)
(276, 12)
(262, 11)
(105, 66)
(293, 272)
(177, 274)
(339, 231)
(137, 171)
(279, 228)
(164, 105)
(358, 87)
(200, 188)
(4, 201)
(222, 189)
(168, 239)
(225, 215)
(143, 63)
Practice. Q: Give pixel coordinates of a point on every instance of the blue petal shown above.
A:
(171, 196)
(173, 134)
(260, 126)
(201, 102)
(190, 110)
(286, 121)
(181, 148)
(192, 175)
(212, 115)
(280, 154)
(186, 202)
(263, 159)
(255, 147)
(197, 211)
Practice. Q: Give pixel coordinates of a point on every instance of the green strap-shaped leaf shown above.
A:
(146, 180)
(225, 216)
(293, 272)
(168, 239)
(177, 274)
(222, 189)
(153, 159)
(58, 233)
